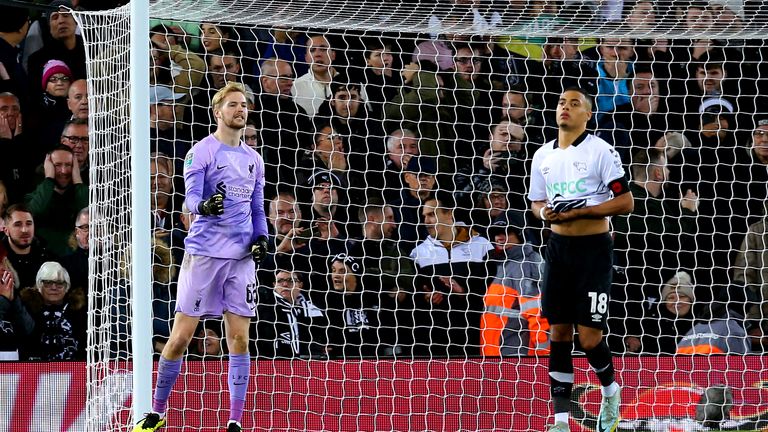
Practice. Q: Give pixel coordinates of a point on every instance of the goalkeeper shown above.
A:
(577, 183)
(224, 181)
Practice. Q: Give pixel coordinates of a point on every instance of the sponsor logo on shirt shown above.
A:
(597, 317)
(239, 192)
(566, 188)
(188, 161)
(221, 188)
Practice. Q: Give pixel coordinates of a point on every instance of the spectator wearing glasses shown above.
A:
(76, 263)
(64, 44)
(467, 63)
(288, 324)
(52, 110)
(58, 310)
(75, 136)
(326, 201)
(58, 198)
(251, 135)
(472, 83)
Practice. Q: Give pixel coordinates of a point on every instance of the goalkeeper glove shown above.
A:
(212, 206)
(259, 249)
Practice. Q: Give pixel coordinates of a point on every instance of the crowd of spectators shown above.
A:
(397, 167)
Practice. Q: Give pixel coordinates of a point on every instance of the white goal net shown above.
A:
(402, 287)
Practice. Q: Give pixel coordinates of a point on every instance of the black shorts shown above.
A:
(576, 283)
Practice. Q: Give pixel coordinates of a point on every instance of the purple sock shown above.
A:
(239, 373)
(167, 372)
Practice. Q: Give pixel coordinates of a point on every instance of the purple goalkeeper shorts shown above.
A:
(208, 286)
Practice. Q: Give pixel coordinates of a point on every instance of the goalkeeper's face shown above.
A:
(233, 111)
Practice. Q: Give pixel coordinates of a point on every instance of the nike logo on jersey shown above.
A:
(218, 167)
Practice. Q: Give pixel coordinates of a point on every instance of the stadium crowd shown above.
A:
(397, 172)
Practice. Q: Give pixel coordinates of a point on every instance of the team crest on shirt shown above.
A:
(250, 170)
(580, 166)
(616, 160)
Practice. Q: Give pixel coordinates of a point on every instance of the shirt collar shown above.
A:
(575, 143)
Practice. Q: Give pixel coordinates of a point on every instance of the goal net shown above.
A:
(403, 282)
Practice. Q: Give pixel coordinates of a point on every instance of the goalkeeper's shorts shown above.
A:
(209, 286)
(576, 284)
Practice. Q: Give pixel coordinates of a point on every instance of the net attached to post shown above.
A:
(109, 379)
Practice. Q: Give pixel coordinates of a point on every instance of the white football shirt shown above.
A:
(582, 171)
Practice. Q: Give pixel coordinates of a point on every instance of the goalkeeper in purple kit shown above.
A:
(224, 181)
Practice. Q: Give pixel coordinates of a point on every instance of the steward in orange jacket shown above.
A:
(511, 324)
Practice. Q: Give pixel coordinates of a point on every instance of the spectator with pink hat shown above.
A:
(52, 110)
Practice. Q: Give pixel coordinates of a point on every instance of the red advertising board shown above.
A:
(659, 394)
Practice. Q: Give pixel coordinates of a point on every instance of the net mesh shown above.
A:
(453, 98)
(109, 383)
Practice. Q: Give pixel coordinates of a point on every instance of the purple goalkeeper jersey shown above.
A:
(238, 174)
